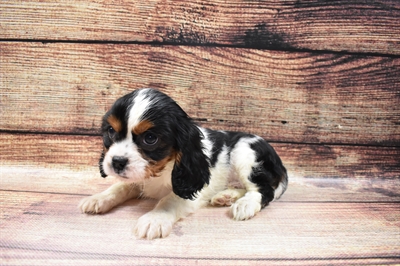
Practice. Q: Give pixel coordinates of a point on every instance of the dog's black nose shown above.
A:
(119, 163)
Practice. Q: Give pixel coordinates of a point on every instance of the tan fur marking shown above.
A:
(154, 168)
(115, 123)
(142, 127)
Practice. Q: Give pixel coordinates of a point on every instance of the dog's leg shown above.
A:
(244, 161)
(256, 197)
(158, 222)
(108, 199)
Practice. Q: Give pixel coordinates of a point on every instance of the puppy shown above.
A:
(159, 152)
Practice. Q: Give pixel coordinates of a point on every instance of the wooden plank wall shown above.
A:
(320, 80)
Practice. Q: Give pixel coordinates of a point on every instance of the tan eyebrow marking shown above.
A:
(115, 123)
(142, 127)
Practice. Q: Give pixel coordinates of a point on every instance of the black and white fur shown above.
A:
(159, 152)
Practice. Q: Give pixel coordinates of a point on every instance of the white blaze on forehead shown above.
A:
(140, 105)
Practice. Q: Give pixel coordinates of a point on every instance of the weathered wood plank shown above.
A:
(88, 182)
(54, 151)
(34, 257)
(77, 153)
(339, 26)
(290, 97)
(324, 231)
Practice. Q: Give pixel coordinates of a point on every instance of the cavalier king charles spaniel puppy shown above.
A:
(158, 152)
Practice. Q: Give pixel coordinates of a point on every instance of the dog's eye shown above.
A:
(150, 139)
(111, 133)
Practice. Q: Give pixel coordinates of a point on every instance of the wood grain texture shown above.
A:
(44, 223)
(40, 258)
(301, 160)
(258, 66)
(366, 27)
(51, 151)
(86, 182)
(289, 97)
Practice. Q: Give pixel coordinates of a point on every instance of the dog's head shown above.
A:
(146, 130)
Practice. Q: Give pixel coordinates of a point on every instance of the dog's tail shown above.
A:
(281, 187)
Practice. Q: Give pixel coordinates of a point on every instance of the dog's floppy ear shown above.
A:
(191, 170)
(103, 174)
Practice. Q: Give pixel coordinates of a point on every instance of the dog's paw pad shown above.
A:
(154, 225)
(227, 197)
(222, 200)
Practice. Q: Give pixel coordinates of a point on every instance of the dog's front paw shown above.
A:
(155, 224)
(245, 208)
(98, 203)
